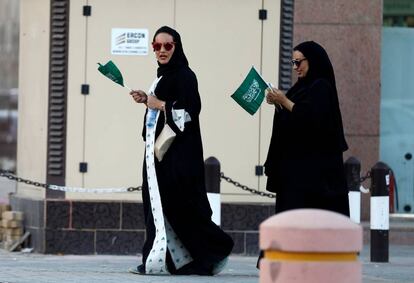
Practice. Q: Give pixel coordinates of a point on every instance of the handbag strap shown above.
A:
(165, 115)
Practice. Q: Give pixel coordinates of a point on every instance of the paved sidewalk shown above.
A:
(38, 268)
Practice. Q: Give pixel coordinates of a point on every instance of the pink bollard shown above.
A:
(312, 246)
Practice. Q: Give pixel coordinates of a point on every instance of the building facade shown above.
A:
(78, 129)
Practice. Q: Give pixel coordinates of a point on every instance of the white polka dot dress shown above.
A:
(165, 237)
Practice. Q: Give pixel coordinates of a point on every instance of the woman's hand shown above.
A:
(139, 96)
(277, 97)
(154, 103)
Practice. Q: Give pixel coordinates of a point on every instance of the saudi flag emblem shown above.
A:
(251, 92)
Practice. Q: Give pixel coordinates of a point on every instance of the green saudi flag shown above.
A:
(251, 92)
(111, 71)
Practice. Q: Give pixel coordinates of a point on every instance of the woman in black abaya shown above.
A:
(181, 237)
(304, 165)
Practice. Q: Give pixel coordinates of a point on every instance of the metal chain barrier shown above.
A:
(11, 176)
(246, 188)
(270, 195)
(367, 176)
(362, 179)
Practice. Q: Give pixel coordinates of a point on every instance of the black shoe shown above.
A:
(140, 269)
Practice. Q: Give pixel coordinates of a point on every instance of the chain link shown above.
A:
(131, 189)
(270, 195)
(246, 188)
(11, 176)
(367, 176)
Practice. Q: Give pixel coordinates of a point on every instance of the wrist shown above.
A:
(285, 101)
(162, 106)
(289, 105)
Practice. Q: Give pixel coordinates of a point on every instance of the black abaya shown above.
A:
(180, 174)
(304, 165)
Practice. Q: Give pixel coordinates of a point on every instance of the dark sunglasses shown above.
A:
(167, 46)
(296, 62)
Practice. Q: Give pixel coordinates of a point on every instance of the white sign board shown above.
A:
(126, 41)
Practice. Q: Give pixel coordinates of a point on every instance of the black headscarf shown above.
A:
(320, 67)
(178, 58)
(319, 64)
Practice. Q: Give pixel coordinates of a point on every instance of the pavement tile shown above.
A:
(19, 267)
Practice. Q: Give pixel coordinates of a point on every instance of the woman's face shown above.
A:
(164, 47)
(300, 64)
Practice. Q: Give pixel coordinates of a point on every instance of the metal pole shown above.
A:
(353, 176)
(380, 175)
(212, 181)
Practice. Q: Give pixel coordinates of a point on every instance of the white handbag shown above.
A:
(164, 140)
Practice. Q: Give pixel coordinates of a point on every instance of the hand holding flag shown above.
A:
(111, 71)
(278, 106)
(251, 92)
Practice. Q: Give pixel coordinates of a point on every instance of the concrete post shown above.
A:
(310, 245)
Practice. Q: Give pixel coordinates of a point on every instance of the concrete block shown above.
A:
(11, 223)
(3, 208)
(11, 238)
(310, 245)
(12, 215)
(13, 231)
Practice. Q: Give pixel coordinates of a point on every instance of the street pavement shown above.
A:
(18, 267)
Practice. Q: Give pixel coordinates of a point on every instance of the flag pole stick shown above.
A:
(127, 87)
(270, 85)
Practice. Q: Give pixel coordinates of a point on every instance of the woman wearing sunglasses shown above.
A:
(180, 235)
(304, 164)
